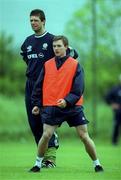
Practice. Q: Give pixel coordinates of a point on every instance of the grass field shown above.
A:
(72, 162)
(14, 108)
(16, 158)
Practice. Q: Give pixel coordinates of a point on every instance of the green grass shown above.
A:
(13, 119)
(72, 162)
(13, 115)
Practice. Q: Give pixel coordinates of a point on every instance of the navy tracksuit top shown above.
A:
(76, 90)
(114, 95)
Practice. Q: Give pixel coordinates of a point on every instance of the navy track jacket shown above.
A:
(76, 90)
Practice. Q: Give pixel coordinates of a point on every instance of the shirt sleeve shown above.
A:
(72, 52)
(23, 53)
(77, 87)
(36, 97)
(112, 96)
(109, 97)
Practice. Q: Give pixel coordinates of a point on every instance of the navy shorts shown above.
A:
(53, 115)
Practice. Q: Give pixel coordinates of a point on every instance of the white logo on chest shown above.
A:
(40, 55)
(44, 46)
(29, 48)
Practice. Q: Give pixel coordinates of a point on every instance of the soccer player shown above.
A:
(113, 98)
(59, 92)
(36, 50)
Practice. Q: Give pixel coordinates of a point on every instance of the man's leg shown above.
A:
(116, 127)
(34, 121)
(42, 146)
(89, 146)
(36, 126)
(49, 160)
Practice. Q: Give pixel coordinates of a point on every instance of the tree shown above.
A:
(6, 54)
(79, 29)
(108, 52)
(93, 31)
(11, 67)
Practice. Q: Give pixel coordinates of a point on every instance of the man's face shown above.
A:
(59, 48)
(36, 23)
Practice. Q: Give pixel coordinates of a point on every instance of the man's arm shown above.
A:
(24, 52)
(113, 99)
(110, 96)
(36, 97)
(77, 87)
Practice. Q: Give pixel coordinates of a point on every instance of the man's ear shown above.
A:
(66, 47)
(44, 22)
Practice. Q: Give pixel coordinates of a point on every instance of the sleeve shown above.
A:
(72, 52)
(77, 87)
(110, 96)
(23, 52)
(36, 97)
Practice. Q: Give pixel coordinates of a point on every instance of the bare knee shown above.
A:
(46, 135)
(84, 136)
(83, 133)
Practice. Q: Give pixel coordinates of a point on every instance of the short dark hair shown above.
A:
(38, 12)
(63, 38)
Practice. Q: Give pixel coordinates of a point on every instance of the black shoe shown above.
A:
(98, 168)
(48, 164)
(34, 169)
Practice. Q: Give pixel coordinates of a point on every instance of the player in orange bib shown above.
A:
(59, 92)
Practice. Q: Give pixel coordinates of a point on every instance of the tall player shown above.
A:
(36, 50)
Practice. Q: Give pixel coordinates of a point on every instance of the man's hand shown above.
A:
(115, 106)
(35, 110)
(61, 103)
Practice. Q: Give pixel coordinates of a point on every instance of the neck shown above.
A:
(63, 55)
(40, 32)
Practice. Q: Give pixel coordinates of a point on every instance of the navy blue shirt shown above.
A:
(114, 95)
(76, 90)
(36, 50)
